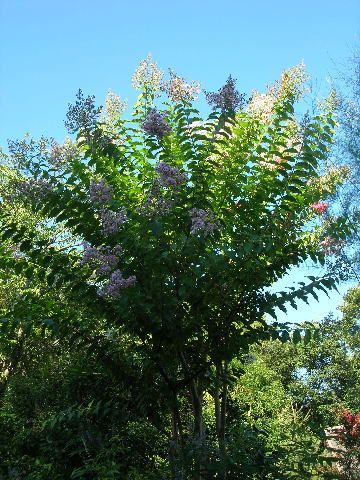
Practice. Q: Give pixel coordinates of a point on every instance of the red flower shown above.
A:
(348, 418)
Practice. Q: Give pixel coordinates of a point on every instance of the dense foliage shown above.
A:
(141, 256)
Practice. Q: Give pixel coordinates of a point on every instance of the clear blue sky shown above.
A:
(50, 48)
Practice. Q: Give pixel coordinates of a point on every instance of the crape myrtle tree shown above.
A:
(177, 226)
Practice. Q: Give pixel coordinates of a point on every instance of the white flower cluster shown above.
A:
(261, 105)
(178, 90)
(114, 107)
(147, 75)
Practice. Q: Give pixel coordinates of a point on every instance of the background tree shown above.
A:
(347, 156)
(319, 380)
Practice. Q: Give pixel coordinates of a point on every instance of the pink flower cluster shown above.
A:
(169, 176)
(320, 207)
(178, 90)
(203, 222)
(227, 98)
(60, 155)
(156, 203)
(82, 114)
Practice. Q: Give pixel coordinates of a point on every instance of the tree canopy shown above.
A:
(150, 242)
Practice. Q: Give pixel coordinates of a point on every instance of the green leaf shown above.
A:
(285, 336)
(307, 336)
(296, 337)
(156, 228)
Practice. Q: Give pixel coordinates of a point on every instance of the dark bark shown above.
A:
(197, 404)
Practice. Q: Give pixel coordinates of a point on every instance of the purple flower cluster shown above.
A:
(203, 222)
(155, 124)
(83, 114)
(227, 98)
(22, 150)
(100, 192)
(27, 153)
(33, 189)
(156, 203)
(60, 155)
(169, 176)
(113, 288)
(104, 259)
(112, 221)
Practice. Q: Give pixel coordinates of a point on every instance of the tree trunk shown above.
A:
(177, 460)
(220, 413)
(199, 433)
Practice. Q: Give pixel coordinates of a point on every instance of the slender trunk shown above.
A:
(176, 448)
(173, 450)
(177, 419)
(220, 413)
(222, 441)
(199, 434)
(217, 405)
(197, 408)
(177, 457)
(195, 398)
(223, 405)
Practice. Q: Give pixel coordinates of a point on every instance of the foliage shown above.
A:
(148, 247)
(320, 379)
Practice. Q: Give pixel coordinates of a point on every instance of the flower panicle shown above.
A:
(227, 98)
(169, 176)
(178, 90)
(203, 222)
(100, 192)
(155, 124)
(147, 76)
(83, 114)
(113, 288)
(111, 221)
